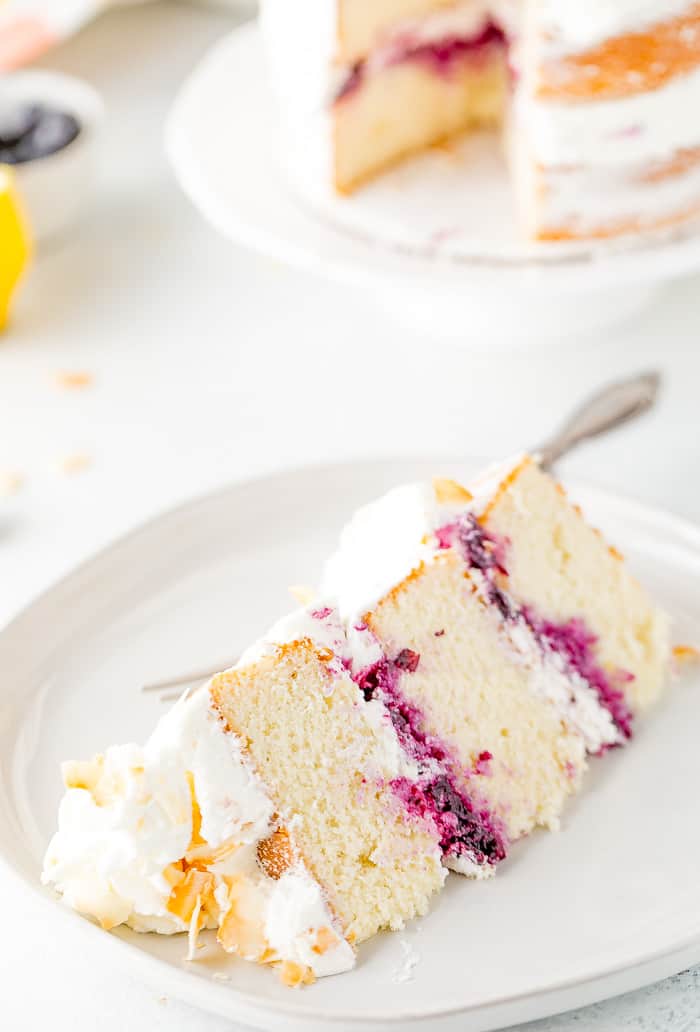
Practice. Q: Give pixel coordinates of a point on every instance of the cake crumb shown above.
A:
(11, 482)
(73, 379)
(406, 970)
(78, 462)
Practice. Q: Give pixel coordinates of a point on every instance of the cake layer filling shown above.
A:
(440, 56)
(471, 839)
(571, 644)
(429, 780)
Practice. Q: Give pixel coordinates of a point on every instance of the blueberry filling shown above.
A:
(407, 659)
(575, 643)
(442, 56)
(465, 827)
(571, 640)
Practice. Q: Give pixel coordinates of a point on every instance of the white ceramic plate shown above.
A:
(609, 904)
(436, 238)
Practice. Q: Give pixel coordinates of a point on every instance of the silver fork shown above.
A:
(614, 405)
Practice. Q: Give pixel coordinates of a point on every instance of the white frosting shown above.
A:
(117, 835)
(581, 199)
(294, 914)
(612, 133)
(463, 865)
(380, 546)
(353, 645)
(575, 26)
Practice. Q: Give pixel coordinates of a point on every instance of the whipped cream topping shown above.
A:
(383, 542)
(129, 819)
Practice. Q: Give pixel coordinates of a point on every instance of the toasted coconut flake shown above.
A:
(449, 491)
(174, 874)
(241, 929)
(196, 925)
(204, 856)
(326, 940)
(295, 975)
(196, 839)
(615, 553)
(683, 654)
(276, 854)
(74, 379)
(188, 894)
(83, 773)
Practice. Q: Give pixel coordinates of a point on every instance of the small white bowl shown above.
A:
(54, 188)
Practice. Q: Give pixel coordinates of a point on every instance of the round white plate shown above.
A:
(436, 238)
(610, 903)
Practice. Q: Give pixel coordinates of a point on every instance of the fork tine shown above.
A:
(183, 679)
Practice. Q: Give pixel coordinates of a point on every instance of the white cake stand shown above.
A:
(436, 240)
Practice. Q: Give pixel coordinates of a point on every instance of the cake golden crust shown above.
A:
(617, 228)
(626, 65)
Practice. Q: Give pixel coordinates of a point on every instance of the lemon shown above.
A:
(15, 246)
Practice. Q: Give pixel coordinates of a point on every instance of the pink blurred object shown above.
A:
(28, 28)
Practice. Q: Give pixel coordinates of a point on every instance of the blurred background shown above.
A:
(146, 359)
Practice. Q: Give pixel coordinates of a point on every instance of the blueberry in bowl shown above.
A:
(31, 131)
(50, 128)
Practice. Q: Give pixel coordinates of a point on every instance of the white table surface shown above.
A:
(211, 364)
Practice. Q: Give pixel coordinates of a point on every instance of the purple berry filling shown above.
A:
(465, 826)
(575, 643)
(442, 56)
(321, 614)
(572, 640)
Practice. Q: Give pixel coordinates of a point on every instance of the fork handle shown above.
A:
(607, 409)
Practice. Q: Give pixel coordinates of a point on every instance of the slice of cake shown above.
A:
(481, 643)
(261, 806)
